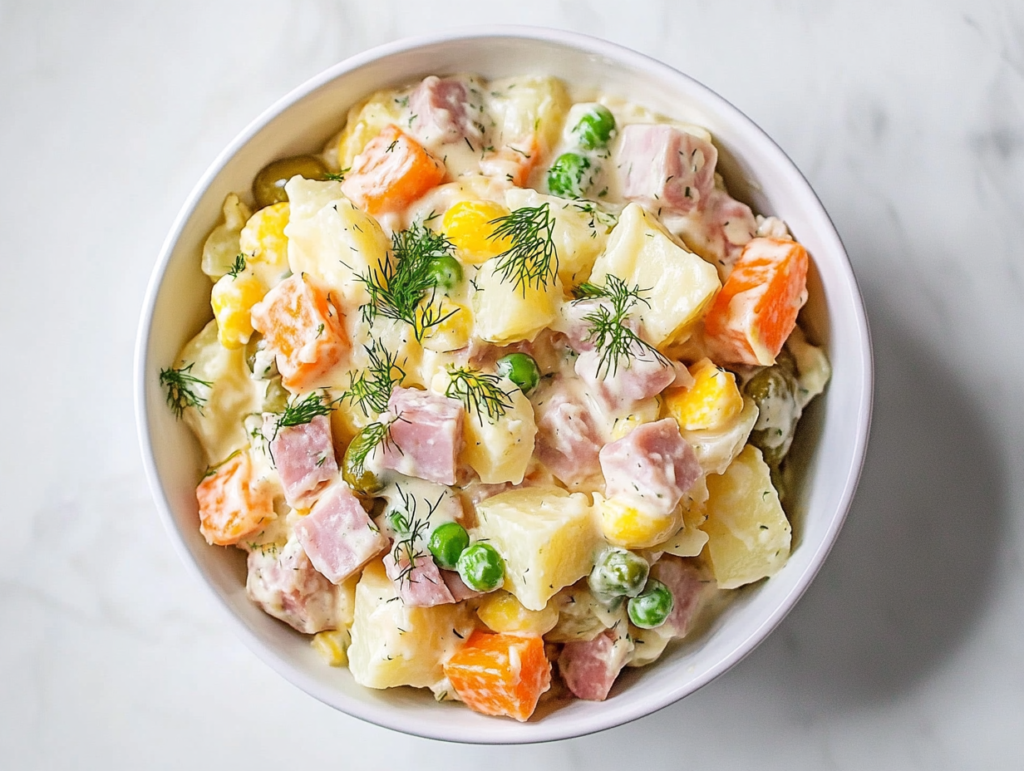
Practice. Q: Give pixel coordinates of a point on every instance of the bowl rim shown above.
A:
(511, 733)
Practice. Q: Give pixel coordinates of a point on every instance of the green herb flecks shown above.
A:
(408, 545)
(532, 259)
(336, 176)
(372, 436)
(237, 266)
(404, 288)
(614, 341)
(298, 413)
(181, 394)
(479, 392)
(372, 388)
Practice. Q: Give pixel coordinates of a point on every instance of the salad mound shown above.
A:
(499, 389)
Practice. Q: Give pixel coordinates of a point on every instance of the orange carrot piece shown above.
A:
(756, 309)
(231, 506)
(500, 674)
(392, 171)
(303, 329)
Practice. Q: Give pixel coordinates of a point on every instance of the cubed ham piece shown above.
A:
(568, 437)
(652, 466)
(639, 377)
(427, 436)
(418, 580)
(284, 583)
(458, 587)
(337, 534)
(443, 113)
(304, 457)
(719, 232)
(665, 168)
(687, 585)
(589, 667)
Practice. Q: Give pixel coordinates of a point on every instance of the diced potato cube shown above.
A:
(264, 244)
(679, 285)
(748, 533)
(395, 644)
(450, 334)
(219, 423)
(222, 245)
(333, 646)
(546, 536)
(689, 540)
(522, 106)
(332, 240)
(502, 612)
(580, 233)
(232, 299)
(506, 313)
(365, 121)
(712, 402)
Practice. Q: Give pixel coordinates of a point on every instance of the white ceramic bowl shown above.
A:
(833, 436)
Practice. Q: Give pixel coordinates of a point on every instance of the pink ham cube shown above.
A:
(568, 437)
(426, 438)
(652, 466)
(337, 534)
(458, 587)
(418, 580)
(666, 168)
(589, 667)
(304, 457)
(283, 582)
(637, 378)
(442, 112)
(687, 585)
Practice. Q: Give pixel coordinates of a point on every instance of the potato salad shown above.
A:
(498, 390)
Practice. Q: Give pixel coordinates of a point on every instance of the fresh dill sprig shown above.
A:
(237, 266)
(371, 390)
(408, 545)
(532, 259)
(614, 341)
(337, 176)
(598, 217)
(298, 413)
(369, 439)
(479, 392)
(180, 383)
(398, 288)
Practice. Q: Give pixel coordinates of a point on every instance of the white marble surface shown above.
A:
(908, 119)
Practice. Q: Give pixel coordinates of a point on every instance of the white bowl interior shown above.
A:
(833, 436)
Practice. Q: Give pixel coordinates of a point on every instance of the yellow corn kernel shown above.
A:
(333, 646)
(623, 524)
(502, 612)
(264, 243)
(452, 333)
(713, 401)
(232, 299)
(467, 224)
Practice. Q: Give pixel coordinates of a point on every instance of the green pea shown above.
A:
(268, 186)
(276, 397)
(618, 572)
(447, 543)
(651, 607)
(565, 177)
(398, 521)
(481, 567)
(445, 272)
(772, 390)
(521, 369)
(355, 474)
(595, 128)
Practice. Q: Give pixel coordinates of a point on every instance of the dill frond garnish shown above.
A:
(237, 266)
(371, 437)
(613, 340)
(371, 390)
(598, 216)
(414, 528)
(479, 392)
(180, 383)
(298, 413)
(398, 288)
(336, 176)
(532, 259)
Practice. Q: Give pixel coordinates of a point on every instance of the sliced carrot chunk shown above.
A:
(231, 505)
(303, 329)
(756, 309)
(500, 674)
(392, 171)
